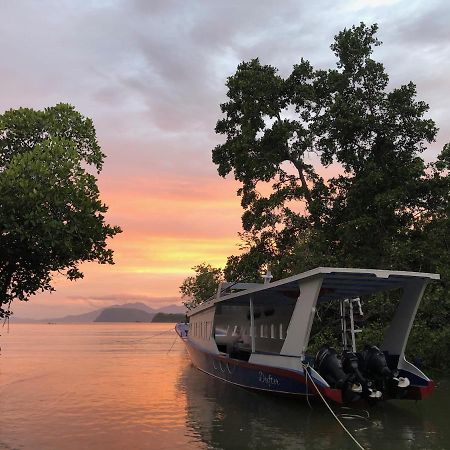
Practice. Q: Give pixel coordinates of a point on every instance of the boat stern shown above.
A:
(182, 329)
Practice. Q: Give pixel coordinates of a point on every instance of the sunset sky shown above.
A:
(151, 74)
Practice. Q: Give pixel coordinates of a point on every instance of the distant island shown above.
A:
(170, 318)
(123, 315)
(136, 315)
(128, 312)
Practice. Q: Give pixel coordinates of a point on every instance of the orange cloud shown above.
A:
(169, 225)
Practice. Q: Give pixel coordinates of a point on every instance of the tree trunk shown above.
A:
(299, 166)
(6, 276)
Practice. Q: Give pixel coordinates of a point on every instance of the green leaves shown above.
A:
(354, 46)
(51, 215)
(256, 96)
(22, 129)
(279, 132)
(384, 209)
(201, 287)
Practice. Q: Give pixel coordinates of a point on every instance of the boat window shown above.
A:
(264, 330)
(272, 331)
(281, 331)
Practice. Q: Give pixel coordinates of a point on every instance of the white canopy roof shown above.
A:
(337, 283)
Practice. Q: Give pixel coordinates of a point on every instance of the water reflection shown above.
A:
(227, 417)
(73, 387)
(117, 386)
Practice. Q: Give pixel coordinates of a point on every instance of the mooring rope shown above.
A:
(148, 337)
(350, 415)
(306, 367)
(173, 343)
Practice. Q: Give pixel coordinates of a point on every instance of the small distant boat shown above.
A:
(256, 335)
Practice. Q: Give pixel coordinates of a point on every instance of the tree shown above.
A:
(51, 215)
(22, 129)
(281, 133)
(386, 208)
(265, 145)
(377, 136)
(201, 287)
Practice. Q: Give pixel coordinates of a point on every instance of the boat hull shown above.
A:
(256, 376)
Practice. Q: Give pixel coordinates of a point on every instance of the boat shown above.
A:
(256, 335)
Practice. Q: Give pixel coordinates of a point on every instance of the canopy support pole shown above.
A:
(397, 334)
(252, 324)
(297, 336)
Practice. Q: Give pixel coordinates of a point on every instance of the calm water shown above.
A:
(117, 386)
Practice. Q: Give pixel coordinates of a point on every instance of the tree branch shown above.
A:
(300, 168)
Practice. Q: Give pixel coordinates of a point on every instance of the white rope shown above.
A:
(307, 393)
(135, 341)
(173, 343)
(329, 407)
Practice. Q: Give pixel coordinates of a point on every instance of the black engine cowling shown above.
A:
(373, 365)
(364, 374)
(329, 366)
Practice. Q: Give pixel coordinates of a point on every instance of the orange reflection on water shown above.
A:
(91, 386)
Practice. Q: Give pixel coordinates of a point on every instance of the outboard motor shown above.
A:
(350, 364)
(329, 366)
(374, 365)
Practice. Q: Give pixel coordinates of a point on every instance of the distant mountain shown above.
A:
(168, 318)
(124, 315)
(78, 318)
(93, 315)
(75, 318)
(136, 305)
(172, 309)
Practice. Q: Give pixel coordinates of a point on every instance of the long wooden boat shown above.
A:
(256, 335)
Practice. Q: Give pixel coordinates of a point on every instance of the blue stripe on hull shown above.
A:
(248, 375)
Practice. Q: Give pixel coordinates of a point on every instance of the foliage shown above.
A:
(51, 215)
(201, 287)
(430, 336)
(385, 207)
(168, 318)
(282, 133)
(22, 129)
